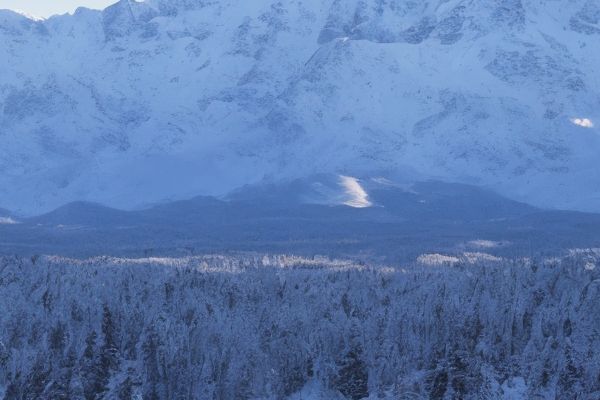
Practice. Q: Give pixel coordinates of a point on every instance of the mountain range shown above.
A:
(154, 101)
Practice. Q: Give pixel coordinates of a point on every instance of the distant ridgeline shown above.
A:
(381, 221)
(258, 327)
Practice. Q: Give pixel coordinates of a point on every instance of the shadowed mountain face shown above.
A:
(163, 100)
(311, 217)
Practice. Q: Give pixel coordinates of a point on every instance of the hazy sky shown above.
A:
(46, 8)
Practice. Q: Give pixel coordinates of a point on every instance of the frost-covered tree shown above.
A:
(353, 377)
(264, 327)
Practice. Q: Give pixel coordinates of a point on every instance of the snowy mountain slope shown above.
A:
(158, 100)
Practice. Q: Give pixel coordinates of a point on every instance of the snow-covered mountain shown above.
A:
(167, 99)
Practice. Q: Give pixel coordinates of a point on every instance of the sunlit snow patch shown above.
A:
(7, 221)
(583, 122)
(357, 196)
(29, 16)
(484, 244)
(474, 258)
(590, 266)
(437, 259)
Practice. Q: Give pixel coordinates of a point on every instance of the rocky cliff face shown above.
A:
(155, 100)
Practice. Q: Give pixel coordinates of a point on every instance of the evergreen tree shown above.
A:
(125, 389)
(439, 384)
(570, 382)
(57, 339)
(109, 352)
(37, 379)
(152, 381)
(94, 382)
(353, 376)
(13, 390)
(61, 387)
(459, 370)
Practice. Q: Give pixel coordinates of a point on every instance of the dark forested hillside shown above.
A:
(278, 327)
(402, 223)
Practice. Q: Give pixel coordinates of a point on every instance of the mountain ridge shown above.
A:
(462, 91)
(310, 217)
